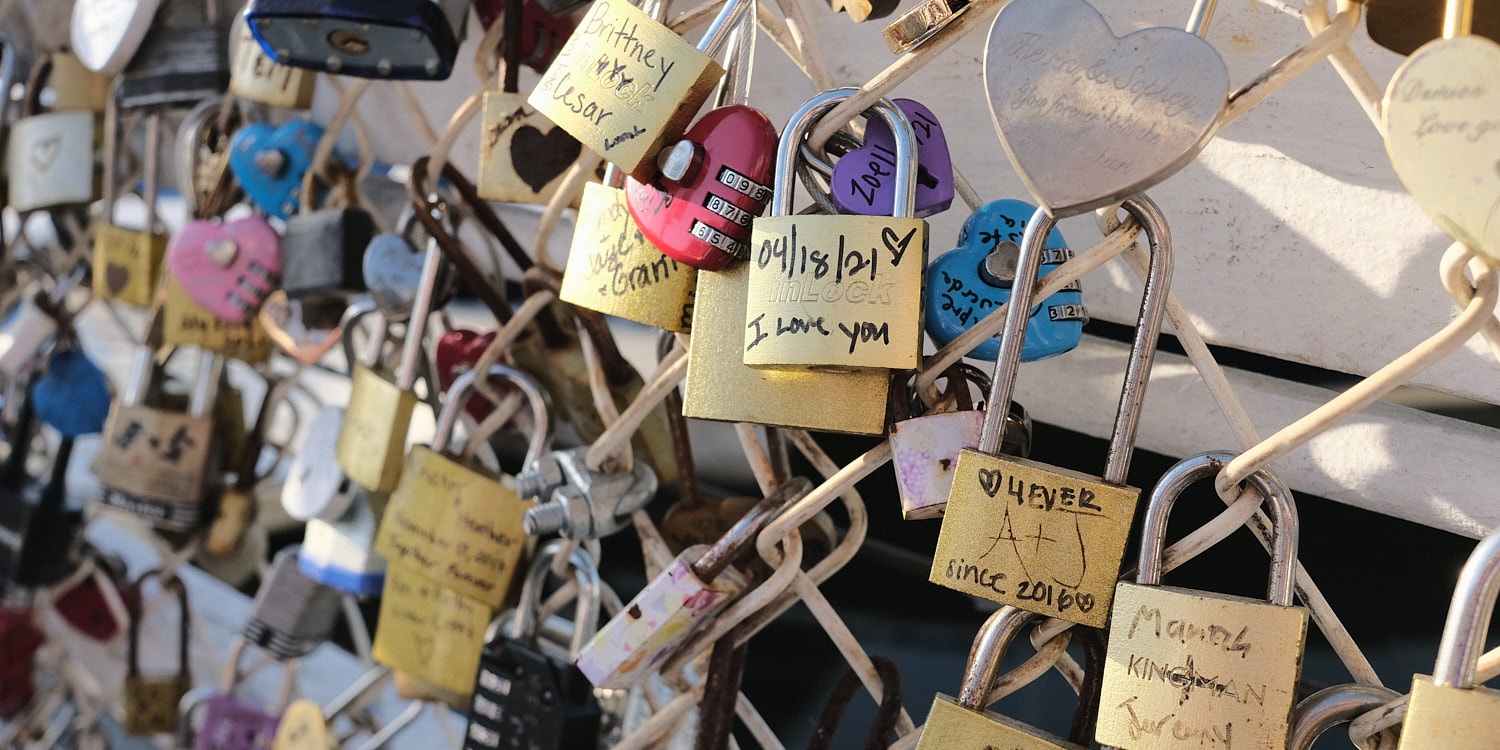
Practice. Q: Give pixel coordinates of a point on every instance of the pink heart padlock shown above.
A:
(230, 268)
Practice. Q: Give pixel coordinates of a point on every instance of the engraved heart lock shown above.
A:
(712, 183)
(1442, 132)
(967, 283)
(1088, 118)
(270, 163)
(457, 352)
(228, 268)
(864, 179)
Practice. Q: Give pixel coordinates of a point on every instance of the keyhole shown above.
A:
(348, 42)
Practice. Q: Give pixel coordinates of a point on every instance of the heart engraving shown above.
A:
(44, 152)
(539, 159)
(1088, 118)
(1442, 121)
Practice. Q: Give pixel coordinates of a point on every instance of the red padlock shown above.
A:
(542, 34)
(19, 640)
(712, 184)
(84, 608)
(457, 351)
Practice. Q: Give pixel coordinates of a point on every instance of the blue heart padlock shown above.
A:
(271, 162)
(73, 396)
(968, 283)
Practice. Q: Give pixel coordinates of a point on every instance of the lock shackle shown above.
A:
(1142, 349)
(173, 585)
(742, 535)
(723, 26)
(807, 116)
(463, 387)
(36, 80)
(1458, 18)
(230, 677)
(1469, 617)
(1283, 513)
(739, 57)
(206, 387)
(355, 312)
(523, 627)
(1329, 707)
(416, 324)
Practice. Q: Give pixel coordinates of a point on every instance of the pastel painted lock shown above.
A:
(227, 268)
(969, 282)
(270, 163)
(864, 179)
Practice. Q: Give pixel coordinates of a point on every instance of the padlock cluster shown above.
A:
(289, 267)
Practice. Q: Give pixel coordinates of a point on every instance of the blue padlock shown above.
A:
(968, 283)
(399, 39)
(270, 162)
(73, 396)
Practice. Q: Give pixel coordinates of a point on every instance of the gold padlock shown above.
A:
(613, 269)
(624, 85)
(430, 632)
(255, 76)
(837, 291)
(151, 702)
(187, 323)
(1450, 709)
(127, 262)
(966, 721)
(1039, 537)
(77, 88)
(1188, 669)
(455, 524)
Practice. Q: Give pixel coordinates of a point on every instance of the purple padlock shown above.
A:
(232, 724)
(864, 179)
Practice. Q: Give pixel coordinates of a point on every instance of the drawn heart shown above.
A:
(1442, 121)
(426, 646)
(457, 351)
(735, 158)
(44, 152)
(271, 162)
(538, 159)
(227, 268)
(1089, 118)
(864, 179)
(116, 277)
(289, 330)
(989, 480)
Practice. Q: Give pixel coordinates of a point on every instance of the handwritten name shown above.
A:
(1184, 631)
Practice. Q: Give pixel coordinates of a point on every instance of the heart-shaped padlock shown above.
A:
(315, 484)
(864, 180)
(228, 268)
(1088, 118)
(73, 397)
(457, 352)
(393, 272)
(967, 283)
(106, 33)
(712, 183)
(271, 162)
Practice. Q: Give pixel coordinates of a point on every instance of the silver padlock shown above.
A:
(1329, 707)
(583, 503)
(183, 59)
(292, 614)
(341, 553)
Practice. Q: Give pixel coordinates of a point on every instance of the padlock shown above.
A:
(325, 247)
(270, 163)
(967, 283)
(921, 23)
(203, 175)
(255, 76)
(398, 39)
(73, 395)
(128, 261)
(372, 440)
(34, 323)
(292, 614)
(1064, 533)
(543, 31)
(187, 323)
(239, 505)
(182, 59)
(863, 179)
(105, 34)
(450, 521)
(315, 486)
(341, 553)
(154, 462)
(431, 633)
(1192, 669)
(228, 268)
(925, 449)
(151, 702)
(624, 105)
(391, 269)
(526, 697)
(75, 87)
(698, 584)
(1329, 707)
(457, 351)
(966, 721)
(582, 502)
(20, 639)
(837, 291)
(231, 722)
(523, 155)
(50, 158)
(1451, 708)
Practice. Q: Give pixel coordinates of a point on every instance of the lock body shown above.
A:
(523, 155)
(270, 163)
(227, 268)
(430, 632)
(864, 179)
(340, 553)
(836, 291)
(187, 323)
(398, 39)
(155, 463)
(292, 613)
(614, 270)
(524, 697)
(373, 437)
(924, 456)
(230, 723)
(127, 263)
(151, 702)
(1191, 669)
(324, 252)
(1450, 717)
(950, 725)
(177, 64)
(50, 160)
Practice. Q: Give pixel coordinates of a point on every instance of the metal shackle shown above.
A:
(789, 151)
(463, 387)
(585, 616)
(1142, 349)
(1469, 617)
(355, 312)
(990, 644)
(1284, 527)
(1327, 708)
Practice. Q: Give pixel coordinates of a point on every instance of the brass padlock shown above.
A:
(151, 702)
(453, 523)
(187, 323)
(431, 633)
(837, 291)
(50, 157)
(1329, 707)
(1039, 537)
(255, 76)
(77, 88)
(624, 85)
(127, 262)
(1451, 709)
(1189, 669)
(966, 721)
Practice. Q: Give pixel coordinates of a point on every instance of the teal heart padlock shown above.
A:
(73, 396)
(967, 283)
(270, 163)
